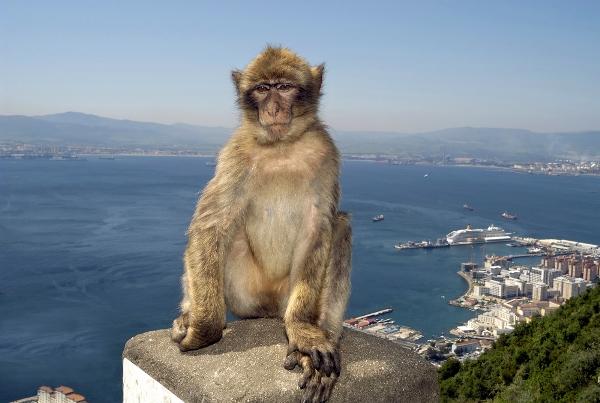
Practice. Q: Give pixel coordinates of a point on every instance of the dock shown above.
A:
(376, 313)
(384, 328)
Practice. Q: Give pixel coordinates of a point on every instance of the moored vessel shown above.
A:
(472, 235)
(439, 243)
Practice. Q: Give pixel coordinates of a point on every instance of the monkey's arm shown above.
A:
(218, 210)
(302, 313)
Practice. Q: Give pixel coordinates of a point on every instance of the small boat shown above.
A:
(508, 216)
(534, 250)
(210, 164)
(467, 207)
(377, 218)
(426, 176)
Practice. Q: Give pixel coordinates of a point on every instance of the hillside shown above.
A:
(73, 128)
(555, 358)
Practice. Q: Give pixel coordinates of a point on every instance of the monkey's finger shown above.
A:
(327, 365)
(291, 361)
(307, 373)
(337, 362)
(318, 397)
(309, 393)
(178, 330)
(190, 341)
(312, 388)
(329, 383)
(315, 356)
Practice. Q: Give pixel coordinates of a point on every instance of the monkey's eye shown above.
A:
(262, 88)
(284, 87)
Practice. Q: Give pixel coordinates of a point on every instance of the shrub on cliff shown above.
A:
(554, 358)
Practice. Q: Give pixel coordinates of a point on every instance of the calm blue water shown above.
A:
(90, 252)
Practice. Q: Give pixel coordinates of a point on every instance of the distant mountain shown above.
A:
(73, 128)
(486, 143)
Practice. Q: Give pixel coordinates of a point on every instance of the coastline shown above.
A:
(466, 294)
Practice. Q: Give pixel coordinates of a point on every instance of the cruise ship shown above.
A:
(471, 235)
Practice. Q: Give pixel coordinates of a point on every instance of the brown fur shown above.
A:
(267, 238)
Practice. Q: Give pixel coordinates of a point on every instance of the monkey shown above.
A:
(267, 238)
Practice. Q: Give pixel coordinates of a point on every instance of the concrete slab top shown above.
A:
(246, 365)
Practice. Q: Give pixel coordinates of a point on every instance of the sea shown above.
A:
(90, 251)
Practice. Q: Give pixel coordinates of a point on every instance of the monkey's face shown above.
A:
(274, 101)
(278, 93)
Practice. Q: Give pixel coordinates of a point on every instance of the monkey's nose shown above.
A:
(273, 110)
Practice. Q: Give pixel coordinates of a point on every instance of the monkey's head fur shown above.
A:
(278, 94)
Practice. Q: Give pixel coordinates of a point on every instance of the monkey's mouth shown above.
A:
(277, 129)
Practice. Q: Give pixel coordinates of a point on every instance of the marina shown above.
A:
(385, 328)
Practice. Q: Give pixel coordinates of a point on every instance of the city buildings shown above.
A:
(61, 394)
(512, 294)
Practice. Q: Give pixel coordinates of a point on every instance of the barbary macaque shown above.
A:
(267, 238)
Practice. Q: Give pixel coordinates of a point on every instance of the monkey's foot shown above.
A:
(316, 383)
(193, 337)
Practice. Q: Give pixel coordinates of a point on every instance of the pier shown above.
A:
(376, 313)
(523, 255)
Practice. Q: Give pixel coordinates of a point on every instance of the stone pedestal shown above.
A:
(247, 366)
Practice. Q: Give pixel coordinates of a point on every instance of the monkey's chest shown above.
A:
(278, 225)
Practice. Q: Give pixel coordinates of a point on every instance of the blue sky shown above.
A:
(391, 66)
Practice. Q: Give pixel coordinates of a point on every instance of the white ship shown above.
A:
(470, 235)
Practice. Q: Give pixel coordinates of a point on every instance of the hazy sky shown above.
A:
(398, 66)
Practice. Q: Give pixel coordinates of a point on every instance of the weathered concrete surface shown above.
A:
(247, 366)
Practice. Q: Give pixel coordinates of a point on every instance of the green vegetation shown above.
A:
(555, 358)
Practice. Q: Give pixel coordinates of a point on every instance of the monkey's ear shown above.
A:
(236, 76)
(317, 73)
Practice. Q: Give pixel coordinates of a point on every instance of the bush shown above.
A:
(555, 358)
(449, 368)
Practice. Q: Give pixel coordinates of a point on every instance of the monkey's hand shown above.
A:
(192, 335)
(316, 383)
(318, 357)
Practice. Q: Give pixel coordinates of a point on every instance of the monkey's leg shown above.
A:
(333, 300)
(202, 316)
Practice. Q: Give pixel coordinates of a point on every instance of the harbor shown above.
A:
(506, 293)
(466, 236)
(503, 292)
(386, 328)
(494, 234)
